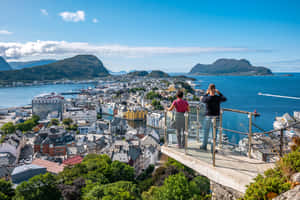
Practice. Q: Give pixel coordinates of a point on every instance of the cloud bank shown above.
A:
(11, 50)
(5, 32)
(73, 16)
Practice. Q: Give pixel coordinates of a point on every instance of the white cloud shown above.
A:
(95, 20)
(73, 16)
(44, 12)
(62, 48)
(5, 32)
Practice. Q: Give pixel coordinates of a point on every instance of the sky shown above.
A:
(168, 35)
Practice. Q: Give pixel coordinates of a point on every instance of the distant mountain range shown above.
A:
(229, 67)
(4, 66)
(152, 74)
(26, 64)
(77, 67)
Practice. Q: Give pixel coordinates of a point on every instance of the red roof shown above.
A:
(52, 167)
(73, 161)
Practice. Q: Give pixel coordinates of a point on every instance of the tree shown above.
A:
(156, 104)
(121, 171)
(35, 119)
(54, 122)
(121, 190)
(42, 186)
(26, 126)
(6, 190)
(8, 128)
(67, 121)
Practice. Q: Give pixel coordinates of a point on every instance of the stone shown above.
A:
(295, 177)
(293, 194)
(220, 192)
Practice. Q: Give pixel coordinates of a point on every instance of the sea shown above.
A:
(242, 92)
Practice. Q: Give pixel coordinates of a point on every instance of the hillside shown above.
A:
(4, 66)
(77, 67)
(138, 73)
(21, 65)
(158, 74)
(230, 67)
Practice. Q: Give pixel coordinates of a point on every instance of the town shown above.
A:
(121, 118)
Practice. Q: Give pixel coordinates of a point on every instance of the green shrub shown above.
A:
(273, 181)
(290, 163)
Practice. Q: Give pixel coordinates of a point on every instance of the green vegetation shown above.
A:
(158, 74)
(38, 187)
(134, 90)
(8, 128)
(28, 125)
(6, 191)
(153, 95)
(100, 178)
(275, 181)
(157, 105)
(186, 86)
(77, 67)
(53, 122)
(69, 125)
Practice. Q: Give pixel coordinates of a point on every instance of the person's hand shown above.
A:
(218, 92)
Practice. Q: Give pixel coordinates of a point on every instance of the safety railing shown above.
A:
(244, 122)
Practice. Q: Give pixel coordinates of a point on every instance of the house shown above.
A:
(25, 172)
(54, 141)
(73, 160)
(52, 167)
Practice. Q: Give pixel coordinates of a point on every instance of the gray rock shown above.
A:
(295, 177)
(293, 194)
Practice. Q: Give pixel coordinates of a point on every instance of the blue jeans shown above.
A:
(208, 125)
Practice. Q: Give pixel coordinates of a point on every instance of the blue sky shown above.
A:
(154, 34)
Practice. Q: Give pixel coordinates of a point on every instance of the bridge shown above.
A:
(230, 164)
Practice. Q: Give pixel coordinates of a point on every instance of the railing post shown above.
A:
(281, 143)
(221, 130)
(214, 141)
(250, 135)
(165, 130)
(186, 115)
(198, 124)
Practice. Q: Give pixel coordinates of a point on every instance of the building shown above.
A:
(135, 113)
(44, 104)
(52, 167)
(25, 172)
(54, 141)
(155, 120)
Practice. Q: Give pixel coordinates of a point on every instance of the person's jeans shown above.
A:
(208, 127)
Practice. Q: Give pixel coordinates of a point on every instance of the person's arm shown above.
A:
(188, 108)
(222, 98)
(172, 107)
(205, 98)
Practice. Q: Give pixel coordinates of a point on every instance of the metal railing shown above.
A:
(249, 133)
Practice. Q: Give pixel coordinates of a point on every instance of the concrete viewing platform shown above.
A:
(234, 171)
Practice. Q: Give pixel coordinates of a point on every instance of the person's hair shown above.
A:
(179, 94)
(211, 86)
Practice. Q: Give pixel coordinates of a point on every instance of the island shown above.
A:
(225, 66)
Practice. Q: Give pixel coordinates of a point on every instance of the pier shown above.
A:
(221, 162)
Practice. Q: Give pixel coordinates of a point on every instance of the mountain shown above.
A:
(77, 67)
(158, 74)
(4, 66)
(230, 67)
(21, 65)
(138, 73)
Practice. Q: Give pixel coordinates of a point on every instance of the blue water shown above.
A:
(241, 92)
(20, 96)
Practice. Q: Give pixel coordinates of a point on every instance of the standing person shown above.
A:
(212, 99)
(181, 106)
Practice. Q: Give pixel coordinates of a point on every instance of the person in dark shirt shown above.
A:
(212, 100)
